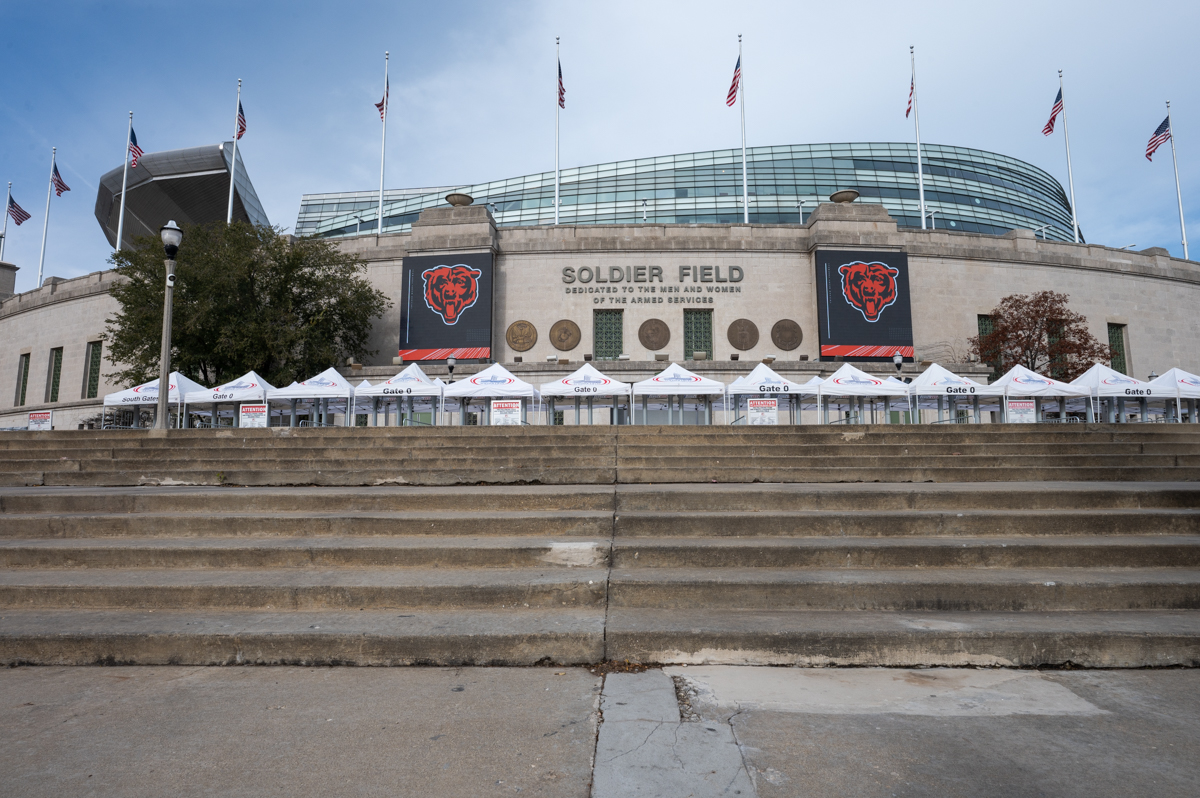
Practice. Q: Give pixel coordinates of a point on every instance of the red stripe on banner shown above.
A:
(850, 350)
(464, 353)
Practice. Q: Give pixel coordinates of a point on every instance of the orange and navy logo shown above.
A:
(450, 290)
(869, 287)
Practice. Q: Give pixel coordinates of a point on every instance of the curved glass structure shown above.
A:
(966, 190)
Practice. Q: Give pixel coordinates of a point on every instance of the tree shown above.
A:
(1039, 332)
(245, 298)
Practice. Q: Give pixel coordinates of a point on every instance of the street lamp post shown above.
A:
(450, 365)
(171, 238)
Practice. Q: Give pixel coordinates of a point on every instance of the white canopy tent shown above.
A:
(764, 381)
(328, 392)
(247, 388)
(941, 387)
(1110, 390)
(412, 390)
(1021, 382)
(675, 384)
(494, 382)
(146, 395)
(1181, 385)
(857, 386)
(586, 382)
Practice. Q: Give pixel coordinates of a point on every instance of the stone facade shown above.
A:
(954, 278)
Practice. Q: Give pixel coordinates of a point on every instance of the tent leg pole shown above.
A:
(590, 414)
(523, 419)
(1143, 406)
(645, 417)
(887, 410)
(1037, 410)
(941, 408)
(1120, 410)
(577, 411)
(374, 411)
(975, 407)
(462, 412)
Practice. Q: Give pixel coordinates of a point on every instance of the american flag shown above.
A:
(17, 213)
(562, 90)
(382, 104)
(912, 88)
(134, 149)
(241, 120)
(57, 181)
(1160, 135)
(1054, 112)
(731, 98)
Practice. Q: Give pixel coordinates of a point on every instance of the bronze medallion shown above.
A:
(654, 334)
(521, 336)
(564, 335)
(786, 334)
(743, 335)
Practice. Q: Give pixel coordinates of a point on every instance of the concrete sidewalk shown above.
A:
(678, 731)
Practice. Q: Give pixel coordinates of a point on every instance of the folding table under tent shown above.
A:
(411, 390)
(247, 388)
(858, 386)
(493, 383)
(948, 389)
(328, 392)
(1181, 385)
(1021, 382)
(764, 382)
(586, 382)
(146, 395)
(675, 384)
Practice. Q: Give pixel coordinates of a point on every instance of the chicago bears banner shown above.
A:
(446, 307)
(863, 305)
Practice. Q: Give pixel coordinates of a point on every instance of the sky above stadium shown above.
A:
(473, 87)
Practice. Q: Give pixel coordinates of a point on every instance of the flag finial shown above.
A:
(386, 55)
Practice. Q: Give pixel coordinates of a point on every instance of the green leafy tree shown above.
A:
(1039, 332)
(245, 298)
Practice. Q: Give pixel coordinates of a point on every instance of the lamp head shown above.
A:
(1153, 376)
(172, 236)
(450, 361)
(898, 360)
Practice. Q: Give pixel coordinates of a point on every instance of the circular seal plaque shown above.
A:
(654, 334)
(521, 336)
(786, 334)
(743, 335)
(564, 335)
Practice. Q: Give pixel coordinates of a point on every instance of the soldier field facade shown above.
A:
(633, 293)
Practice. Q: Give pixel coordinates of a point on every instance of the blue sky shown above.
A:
(473, 92)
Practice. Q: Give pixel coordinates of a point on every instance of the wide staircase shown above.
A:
(1023, 573)
(602, 455)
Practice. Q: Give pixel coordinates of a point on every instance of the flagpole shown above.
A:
(558, 67)
(917, 121)
(45, 221)
(4, 234)
(383, 147)
(1178, 193)
(124, 183)
(233, 163)
(742, 101)
(1070, 177)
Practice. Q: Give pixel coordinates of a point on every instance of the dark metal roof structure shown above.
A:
(189, 186)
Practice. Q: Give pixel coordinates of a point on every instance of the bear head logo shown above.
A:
(869, 287)
(449, 290)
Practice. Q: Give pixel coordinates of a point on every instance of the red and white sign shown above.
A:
(762, 412)
(1021, 411)
(42, 421)
(253, 415)
(506, 412)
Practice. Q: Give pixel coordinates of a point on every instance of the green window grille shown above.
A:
(1053, 336)
(697, 333)
(1116, 340)
(559, 420)
(986, 328)
(55, 374)
(22, 378)
(91, 388)
(608, 335)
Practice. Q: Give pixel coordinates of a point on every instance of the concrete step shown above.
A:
(1166, 551)
(445, 523)
(302, 589)
(1125, 639)
(913, 473)
(303, 552)
(902, 523)
(943, 589)
(391, 498)
(268, 477)
(567, 636)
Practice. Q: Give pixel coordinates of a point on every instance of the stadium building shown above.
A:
(492, 278)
